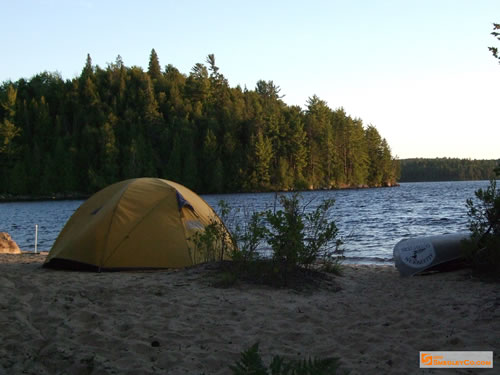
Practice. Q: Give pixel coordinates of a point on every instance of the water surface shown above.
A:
(371, 221)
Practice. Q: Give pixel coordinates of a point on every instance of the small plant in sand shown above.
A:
(251, 362)
(299, 238)
(215, 241)
(483, 249)
(247, 236)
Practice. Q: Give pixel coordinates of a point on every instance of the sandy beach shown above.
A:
(175, 322)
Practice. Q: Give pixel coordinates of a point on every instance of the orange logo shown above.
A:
(426, 359)
(456, 359)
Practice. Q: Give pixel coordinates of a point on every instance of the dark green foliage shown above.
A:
(446, 169)
(483, 250)
(496, 34)
(118, 122)
(211, 242)
(301, 242)
(215, 241)
(251, 363)
(299, 238)
(286, 235)
(249, 237)
(154, 69)
(319, 235)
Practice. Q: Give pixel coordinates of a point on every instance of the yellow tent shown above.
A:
(137, 223)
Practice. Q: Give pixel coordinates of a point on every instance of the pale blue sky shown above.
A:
(420, 71)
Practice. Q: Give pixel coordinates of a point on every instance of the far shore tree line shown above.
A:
(119, 122)
(446, 169)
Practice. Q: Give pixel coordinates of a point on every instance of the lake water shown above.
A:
(370, 221)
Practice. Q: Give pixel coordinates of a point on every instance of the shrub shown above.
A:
(249, 237)
(483, 249)
(300, 239)
(320, 236)
(215, 241)
(286, 234)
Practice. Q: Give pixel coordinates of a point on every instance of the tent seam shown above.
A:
(112, 252)
(101, 263)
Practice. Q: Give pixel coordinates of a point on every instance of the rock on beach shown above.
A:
(8, 245)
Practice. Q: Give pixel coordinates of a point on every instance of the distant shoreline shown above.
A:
(446, 169)
(8, 198)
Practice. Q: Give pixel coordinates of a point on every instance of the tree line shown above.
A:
(446, 169)
(119, 122)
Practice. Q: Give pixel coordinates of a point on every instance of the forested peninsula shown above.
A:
(108, 124)
(446, 169)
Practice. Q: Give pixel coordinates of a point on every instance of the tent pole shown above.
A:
(36, 238)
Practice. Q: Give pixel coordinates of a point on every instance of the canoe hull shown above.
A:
(415, 255)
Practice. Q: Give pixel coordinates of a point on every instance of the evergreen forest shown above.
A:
(61, 137)
(446, 169)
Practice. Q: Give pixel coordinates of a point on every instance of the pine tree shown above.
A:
(88, 69)
(389, 169)
(109, 150)
(190, 170)
(217, 181)
(375, 156)
(66, 181)
(358, 159)
(154, 69)
(209, 156)
(17, 183)
(263, 153)
(8, 130)
(297, 147)
(174, 165)
(318, 121)
(284, 180)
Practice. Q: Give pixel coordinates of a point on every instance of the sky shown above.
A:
(419, 71)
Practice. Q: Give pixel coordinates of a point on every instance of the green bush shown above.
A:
(249, 237)
(215, 241)
(301, 242)
(483, 249)
(300, 239)
(286, 234)
(251, 363)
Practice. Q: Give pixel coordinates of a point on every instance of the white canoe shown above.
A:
(415, 255)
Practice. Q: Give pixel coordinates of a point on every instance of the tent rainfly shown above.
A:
(134, 224)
